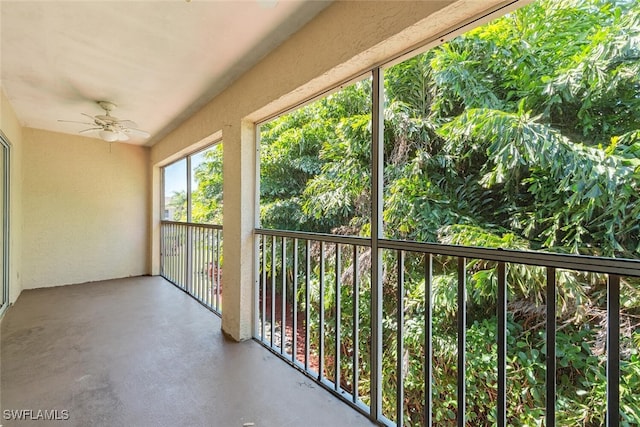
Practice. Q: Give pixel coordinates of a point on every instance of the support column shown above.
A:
(238, 224)
(156, 204)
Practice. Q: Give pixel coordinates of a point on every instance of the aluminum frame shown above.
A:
(5, 230)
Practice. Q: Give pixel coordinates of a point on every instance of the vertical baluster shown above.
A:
(283, 297)
(216, 285)
(501, 415)
(462, 337)
(171, 249)
(198, 263)
(178, 256)
(205, 266)
(183, 260)
(307, 314)
(178, 271)
(175, 274)
(195, 230)
(273, 287)
(194, 262)
(338, 311)
(202, 265)
(163, 265)
(321, 328)
(356, 326)
(551, 348)
(164, 250)
(399, 341)
(294, 329)
(197, 260)
(187, 258)
(613, 351)
(428, 341)
(180, 265)
(219, 270)
(170, 252)
(263, 241)
(185, 269)
(211, 256)
(216, 270)
(209, 268)
(162, 253)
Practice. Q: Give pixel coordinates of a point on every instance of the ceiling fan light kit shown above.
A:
(110, 128)
(108, 135)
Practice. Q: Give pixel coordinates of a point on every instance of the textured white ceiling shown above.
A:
(159, 61)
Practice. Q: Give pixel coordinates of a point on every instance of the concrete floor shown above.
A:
(140, 352)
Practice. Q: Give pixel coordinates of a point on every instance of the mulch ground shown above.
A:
(300, 331)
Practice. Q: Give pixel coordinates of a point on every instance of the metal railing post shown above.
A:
(501, 308)
(551, 348)
(462, 339)
(377, 176)
(613, 351)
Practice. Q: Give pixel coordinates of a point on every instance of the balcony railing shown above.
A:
(191, 258)
(382, 349)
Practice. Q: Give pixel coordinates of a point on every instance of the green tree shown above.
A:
(206, 199)
(313, 164)
(178, 204)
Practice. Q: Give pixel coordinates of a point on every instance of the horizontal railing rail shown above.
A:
(594, 264)
(193, 224)
(305, 235)
(191, 258)
(313, 294)
(591, 264)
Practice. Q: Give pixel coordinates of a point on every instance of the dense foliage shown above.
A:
(521, 134)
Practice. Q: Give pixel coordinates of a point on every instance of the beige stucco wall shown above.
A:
(343, 41)
(85, 209)
(11, 128)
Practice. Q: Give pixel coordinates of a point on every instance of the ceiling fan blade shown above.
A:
(89, 130)
(75, 121)
(95, 120)
(107, 119)
(128, 123)
(137, 132)
(122, 136)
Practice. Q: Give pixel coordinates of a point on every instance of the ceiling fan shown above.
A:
(110, 128)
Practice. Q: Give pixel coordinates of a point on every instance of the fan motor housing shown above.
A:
(106, 105)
